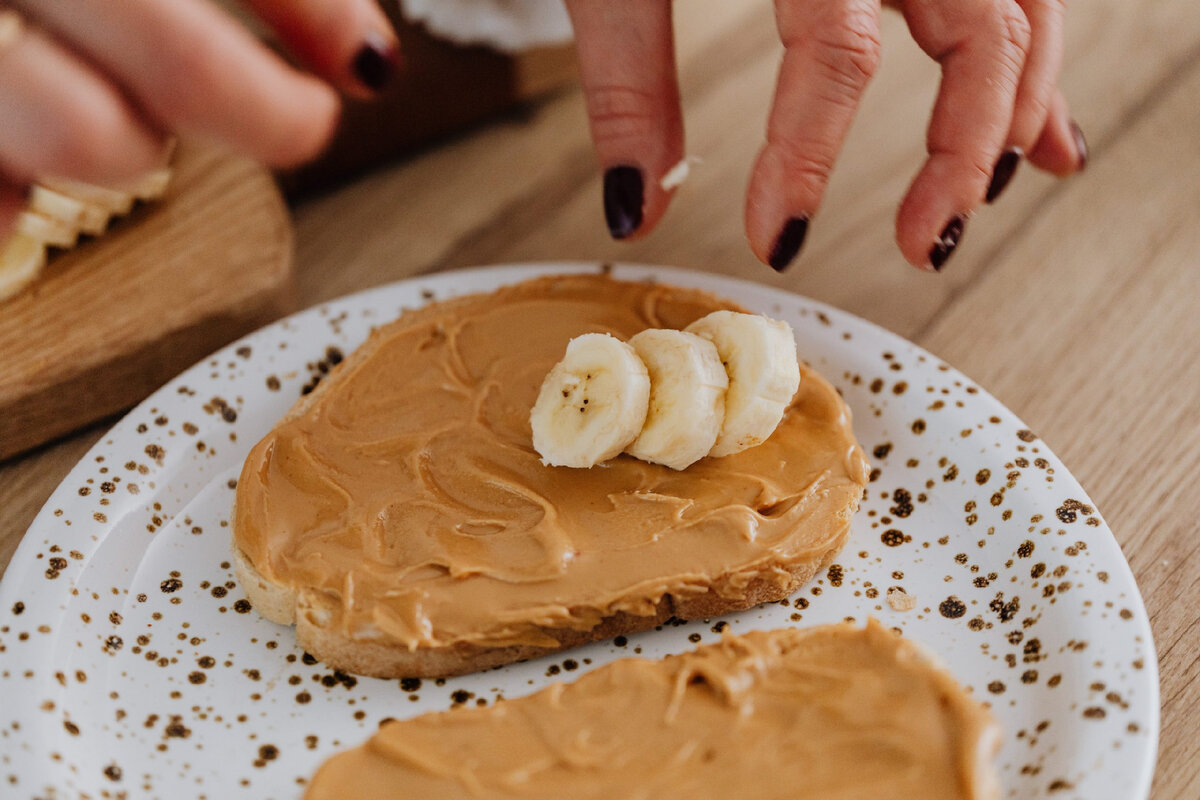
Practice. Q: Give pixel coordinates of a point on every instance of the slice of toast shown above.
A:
(833, 711)
(400, 518)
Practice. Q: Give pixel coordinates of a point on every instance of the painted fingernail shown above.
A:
(788, 243)
(375, 62)
(1002, 173)
(623, 197)
(947, 241)
(1080, 146)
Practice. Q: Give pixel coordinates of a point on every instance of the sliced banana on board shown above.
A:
(687, 397)
(759, 355)
(59, 211)
(592, 404)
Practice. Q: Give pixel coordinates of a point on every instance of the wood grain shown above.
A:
(1075, 302)
(116, 317)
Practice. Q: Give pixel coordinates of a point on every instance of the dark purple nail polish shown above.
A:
(623, 196)
(1080, 146)
(788, 243)
(947, 241)
(1002, 173)
(375, 62)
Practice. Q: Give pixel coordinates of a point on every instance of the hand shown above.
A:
(998, 102)
(90, 88)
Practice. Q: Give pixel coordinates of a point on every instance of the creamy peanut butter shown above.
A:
(836, 713)
(409, 491)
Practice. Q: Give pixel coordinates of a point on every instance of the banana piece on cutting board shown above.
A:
(59, 211)
(714, 389)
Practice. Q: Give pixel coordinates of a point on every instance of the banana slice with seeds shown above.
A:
(592, 404)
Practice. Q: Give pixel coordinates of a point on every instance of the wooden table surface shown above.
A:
(1074, 302)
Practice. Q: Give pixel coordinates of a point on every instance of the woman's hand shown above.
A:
(998, 102)
(89, 88)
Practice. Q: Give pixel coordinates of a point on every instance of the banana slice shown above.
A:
(759, 354)
(80, 215)
(113, 201)
(592, 405)
(46, 230)
(21, 259)
(147, 186)
(687, 397)
(152, 185)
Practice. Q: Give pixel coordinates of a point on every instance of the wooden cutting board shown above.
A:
(110, 321)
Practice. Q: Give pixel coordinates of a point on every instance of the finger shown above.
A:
(197, 71)
(1036, 90)
(831, 51)
(61, 119)
(981, 45)
(348, 42)
(627, 65)
(1061, 149)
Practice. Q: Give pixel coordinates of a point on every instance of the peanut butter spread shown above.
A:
(835, 712)
(407, 488)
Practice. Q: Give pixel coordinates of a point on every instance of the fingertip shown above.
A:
(1081, 147)
(306, 129)
(947, 242)
(350, 43)
(788, 243)
(624, 197)
(929, 243)
(1003, 172)
(780, 202)
(375, 64)
(762, 214)
(1061, 149)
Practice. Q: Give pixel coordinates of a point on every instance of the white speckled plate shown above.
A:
(131, 663)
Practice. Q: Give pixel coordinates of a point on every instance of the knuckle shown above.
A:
(849, 45)
(976, 166)
(622, 113)
(1003, 39)
(1010, 21)
(1043, 9)
(803, 159)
